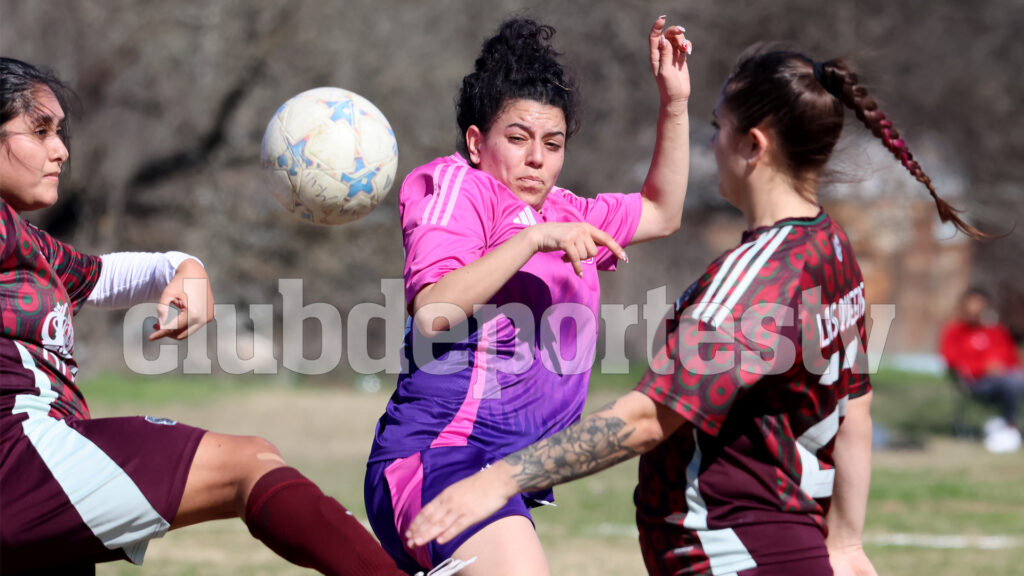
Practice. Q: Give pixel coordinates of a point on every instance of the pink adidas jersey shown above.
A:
(519, 372)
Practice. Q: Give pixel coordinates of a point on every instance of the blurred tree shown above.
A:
(175, 98)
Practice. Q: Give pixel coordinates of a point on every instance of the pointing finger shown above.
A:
(604, 239)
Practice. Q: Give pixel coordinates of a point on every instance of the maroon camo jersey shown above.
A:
(43, 282)
(763, 353)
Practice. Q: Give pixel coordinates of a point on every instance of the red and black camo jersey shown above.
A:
(763, 353)
(43, 282)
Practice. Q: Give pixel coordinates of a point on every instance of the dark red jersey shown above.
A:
(43, 282)
(763, 353)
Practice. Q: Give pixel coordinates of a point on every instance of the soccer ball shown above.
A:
(329, 156)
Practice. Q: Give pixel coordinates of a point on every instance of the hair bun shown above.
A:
(517, 62)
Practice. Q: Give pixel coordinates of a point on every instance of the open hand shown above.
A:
(460, 506)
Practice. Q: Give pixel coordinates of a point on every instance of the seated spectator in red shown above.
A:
(983, 355)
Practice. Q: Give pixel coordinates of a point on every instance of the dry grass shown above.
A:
(949, 487)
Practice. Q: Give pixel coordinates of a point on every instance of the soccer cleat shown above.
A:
(448, 567)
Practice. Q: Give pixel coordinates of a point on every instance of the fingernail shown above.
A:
(688, 46)
(625, 258)
(681, 28)
(662, 17)
(661, 42)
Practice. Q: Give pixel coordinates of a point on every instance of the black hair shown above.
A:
(801, 101)
(518, 62)
(977, 291)
(19, 90)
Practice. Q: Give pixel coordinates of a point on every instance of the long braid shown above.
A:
(843, 83)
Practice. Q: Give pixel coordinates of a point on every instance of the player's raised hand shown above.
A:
(462, 505)
(189, 292)
(669, 49)
(579, 241)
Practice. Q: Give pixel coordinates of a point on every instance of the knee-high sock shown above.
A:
(292, 516)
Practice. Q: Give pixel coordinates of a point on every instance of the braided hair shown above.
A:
(518, 62)
(802, 102)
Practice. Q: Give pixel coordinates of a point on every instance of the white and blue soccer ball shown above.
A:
(329, 156)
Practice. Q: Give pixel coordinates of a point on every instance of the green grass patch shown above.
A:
(113, 389)
(915, 406)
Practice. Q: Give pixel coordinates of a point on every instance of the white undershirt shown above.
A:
(129, 278)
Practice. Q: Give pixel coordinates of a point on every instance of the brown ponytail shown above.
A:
(839, 80)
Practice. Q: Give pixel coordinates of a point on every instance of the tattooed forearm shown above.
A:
(597, 442)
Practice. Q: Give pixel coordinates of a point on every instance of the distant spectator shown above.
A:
(983, 356)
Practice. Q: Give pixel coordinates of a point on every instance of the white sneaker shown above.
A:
(1003, 441)
(448, 567)
(993, 425)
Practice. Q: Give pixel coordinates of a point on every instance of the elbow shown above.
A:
(648, 434)
(666, 227)
(431, 326)
(672, 225)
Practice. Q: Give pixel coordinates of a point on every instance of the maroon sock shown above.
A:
(292, 516)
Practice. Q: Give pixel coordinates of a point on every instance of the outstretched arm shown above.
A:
(850, 494)
(477, 282)
(664, 190)
(170, 278)
(631, 425)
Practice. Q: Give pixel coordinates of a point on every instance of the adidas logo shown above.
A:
(525, 218)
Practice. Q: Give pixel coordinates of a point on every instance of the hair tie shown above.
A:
(819, 75)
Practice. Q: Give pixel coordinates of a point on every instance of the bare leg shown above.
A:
(245, 476)
(223, 473)
(508, 547)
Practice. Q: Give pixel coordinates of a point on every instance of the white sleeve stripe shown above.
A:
(751, 274)
(717, 280)
(733, 275)
(529, 214)
(433, 196)
(454, 196)
(443, 195)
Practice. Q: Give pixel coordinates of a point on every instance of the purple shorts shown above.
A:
(396, 490)
(78, 492)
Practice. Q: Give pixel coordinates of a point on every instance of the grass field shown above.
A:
(939, 505)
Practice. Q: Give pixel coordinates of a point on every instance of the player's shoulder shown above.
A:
(8, 229)
(805, 242)
(564, 195)
(444, 187)
(566, 198)
(13, 225)
(445, 174)
(767, 264)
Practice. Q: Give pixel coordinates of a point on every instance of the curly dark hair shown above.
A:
(19, 85)
(516, 63)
